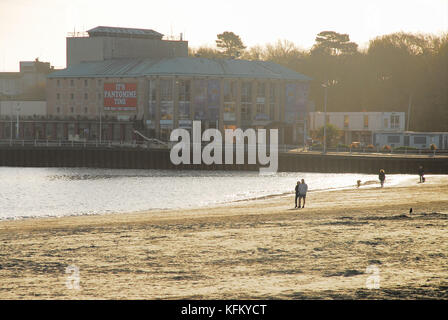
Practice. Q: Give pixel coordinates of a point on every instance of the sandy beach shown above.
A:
(258, 249)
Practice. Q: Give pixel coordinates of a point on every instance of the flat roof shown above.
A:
(180, 66)
(124, 32)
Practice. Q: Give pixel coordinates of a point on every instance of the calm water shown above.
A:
(39, 192)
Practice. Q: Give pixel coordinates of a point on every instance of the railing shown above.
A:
(151, 144)
(70, 143)
(384, 152)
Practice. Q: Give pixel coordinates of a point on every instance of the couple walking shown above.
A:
(301, 189)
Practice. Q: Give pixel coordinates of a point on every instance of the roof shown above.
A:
(10, 75)
(180, 66)
(124, 32)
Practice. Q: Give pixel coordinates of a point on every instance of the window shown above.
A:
(346, 121)
(58, 110)
(166, 90)
(58, 83)
(86, 96)
(72, 109)
(246, 92)
(366, 122)
(394, 121)
(99, 96)
(420, 140)
(99, 82)
(72, 96)
(85, 109)
(58, 96)
(393, 139)
(261, 89)
(72, 82)
(246, 100)
(184, 90)
(245, 111)
(229, 88)
(386, 123)
(86, 82)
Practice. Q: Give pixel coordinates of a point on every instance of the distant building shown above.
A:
(419, 140)
(28, 83)
(359, 126)
(133, 75)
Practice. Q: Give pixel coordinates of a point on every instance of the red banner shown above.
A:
(120, 96)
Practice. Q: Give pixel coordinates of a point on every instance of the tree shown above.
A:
(230, 44)
(286, 53)
(205, 52)
(332, 134)
(334, 44)
(254, 53)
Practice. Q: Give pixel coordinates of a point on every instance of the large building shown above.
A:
(133, 75)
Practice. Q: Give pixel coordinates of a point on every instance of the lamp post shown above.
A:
(325, 85)
(101, 127)
(17, 125)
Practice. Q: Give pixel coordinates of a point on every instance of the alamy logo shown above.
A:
(212, 152)
(72, 280)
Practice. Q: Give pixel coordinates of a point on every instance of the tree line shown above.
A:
(396, 72)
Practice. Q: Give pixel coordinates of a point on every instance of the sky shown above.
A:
(32, 29)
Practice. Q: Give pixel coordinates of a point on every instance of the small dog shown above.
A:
(358, 183)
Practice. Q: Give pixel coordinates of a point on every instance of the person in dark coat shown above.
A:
(421, 173)
(382, 177)
(297, 192)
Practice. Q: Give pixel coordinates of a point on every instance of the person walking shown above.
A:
(421, 173)
(297, 192)
(382, 177)
(303, 188)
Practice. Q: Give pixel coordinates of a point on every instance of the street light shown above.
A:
(17, 126)
(325, 85)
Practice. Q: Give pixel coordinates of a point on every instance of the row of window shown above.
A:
(396, 139)
(72, 110)
(394, 121)
(229, 90)
(72, 96)
(86, 82)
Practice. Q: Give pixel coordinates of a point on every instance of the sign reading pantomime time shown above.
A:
(120, 96)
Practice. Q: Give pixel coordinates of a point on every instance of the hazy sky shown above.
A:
(38, 28)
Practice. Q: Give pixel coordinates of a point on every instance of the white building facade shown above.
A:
(359, 126)
(419, 140)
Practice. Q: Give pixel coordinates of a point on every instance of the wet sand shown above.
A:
(258, 249)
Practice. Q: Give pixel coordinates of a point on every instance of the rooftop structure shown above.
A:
(101, 31)
(105, 43)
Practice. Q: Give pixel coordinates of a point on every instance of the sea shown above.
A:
(59, 192)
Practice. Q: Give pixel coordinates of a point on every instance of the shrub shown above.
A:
(433, 146)
(354, 145)
(387, 148)
(341, 145)
(370, 147)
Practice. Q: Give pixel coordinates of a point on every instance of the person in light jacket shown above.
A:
(303, 188)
